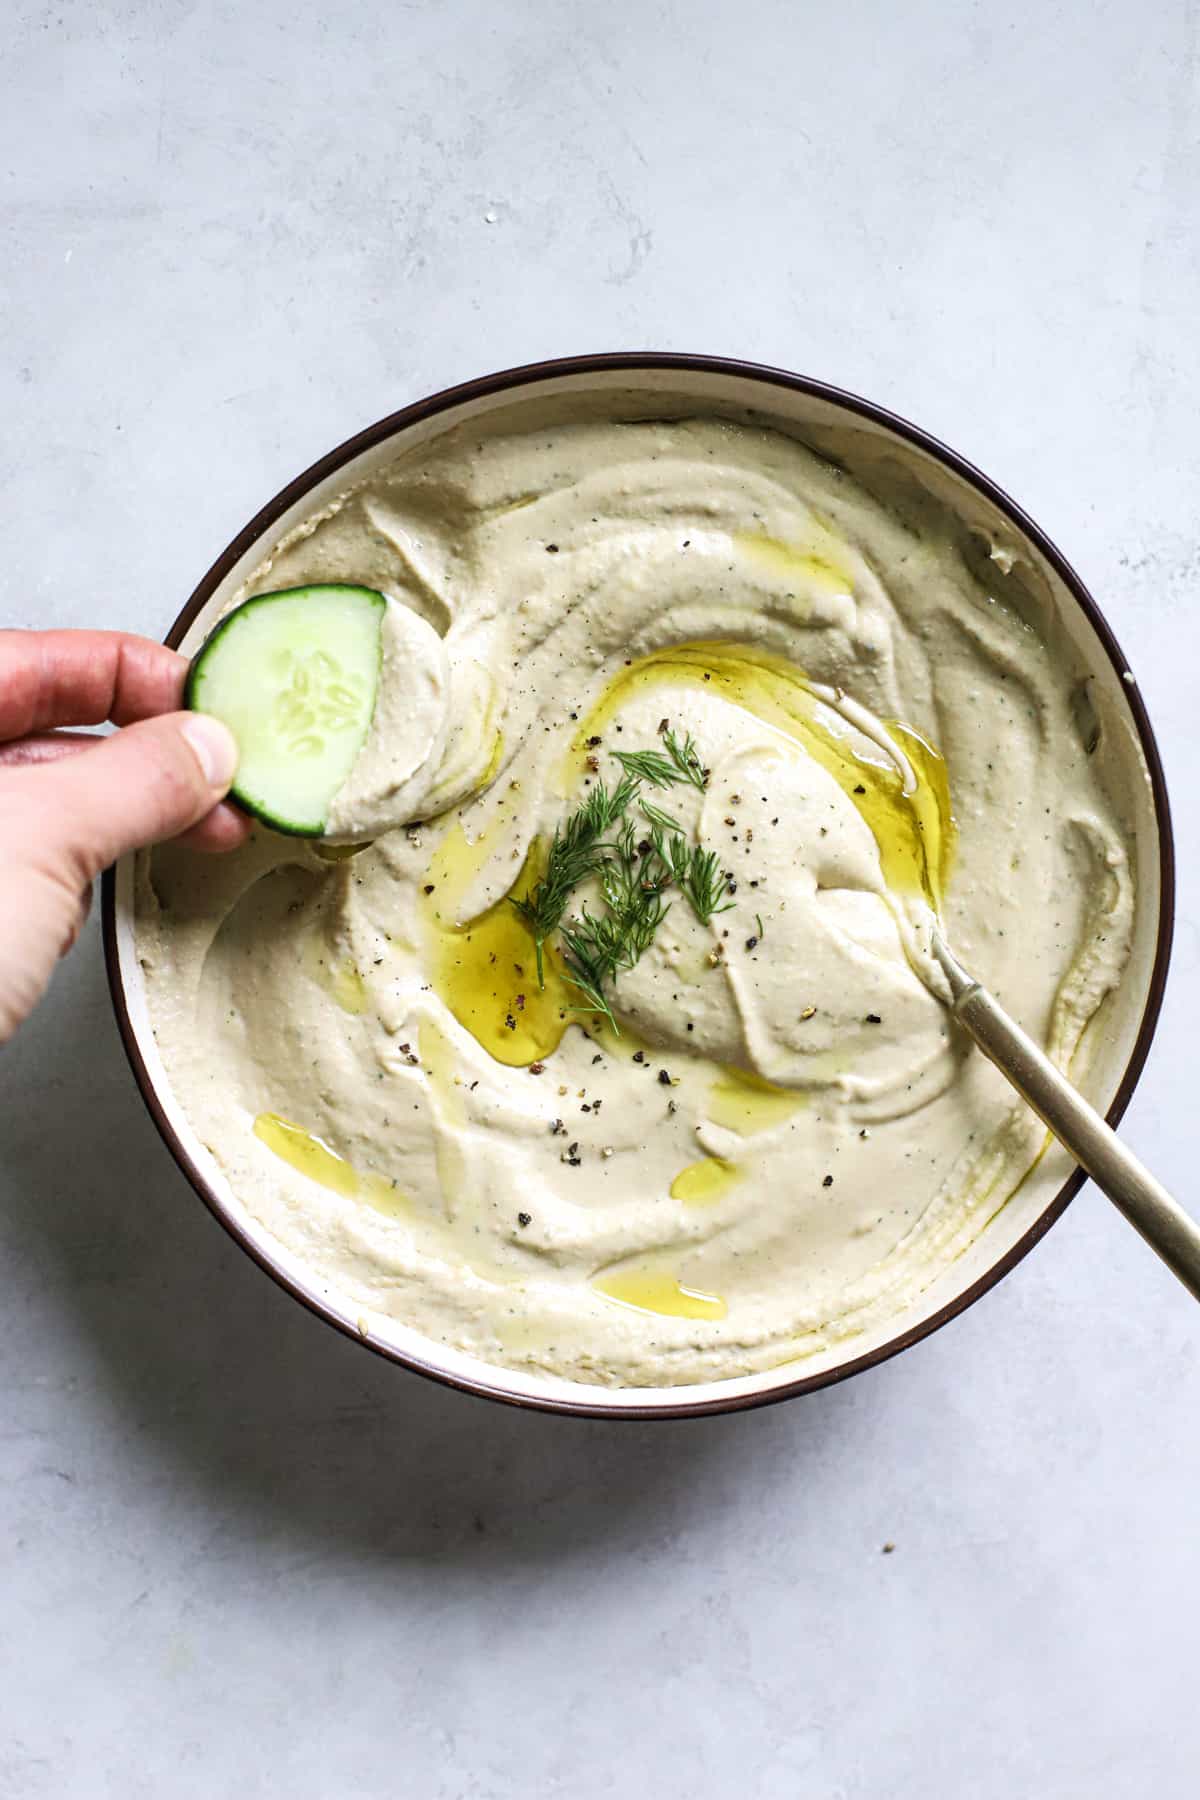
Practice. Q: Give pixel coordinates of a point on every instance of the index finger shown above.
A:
(50, 678)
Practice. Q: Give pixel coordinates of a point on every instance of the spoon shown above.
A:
(1077, 1126)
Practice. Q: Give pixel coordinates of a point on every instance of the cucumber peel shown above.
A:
(294, 675)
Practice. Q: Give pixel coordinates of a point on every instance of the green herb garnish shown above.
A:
(686, 759)
(681, 763)
(657, 817)
(598, 946)
(576, 852)
(705, 885)
(633, 871)
(586, 961)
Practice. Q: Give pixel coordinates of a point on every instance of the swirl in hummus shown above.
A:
(786, 1140)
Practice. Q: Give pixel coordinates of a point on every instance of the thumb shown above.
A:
(62, 822)
(147, 782)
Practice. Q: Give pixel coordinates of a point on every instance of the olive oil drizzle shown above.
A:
(485, 970)
(337, 975)
(747, 1103)
(651, 1290)
(914, 831)
(705, 1182)
(313, 1158)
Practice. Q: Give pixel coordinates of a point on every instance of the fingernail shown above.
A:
(214, 746)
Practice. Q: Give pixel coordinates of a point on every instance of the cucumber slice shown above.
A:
(294, 675)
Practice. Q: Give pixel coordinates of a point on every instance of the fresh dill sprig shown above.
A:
(633, 870)
(676, 852)
(696, 872)
(705, 885)
(633, 896)
(597, 946)
(625, 846)
(680, 763)
(631, 882)
(657, 817)
(586, 954)
(686, 758)
(648, 765)
(577, 850)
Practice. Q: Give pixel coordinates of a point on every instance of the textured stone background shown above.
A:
(240, 1556)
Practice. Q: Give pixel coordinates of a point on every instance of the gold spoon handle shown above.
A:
(1077, 1126)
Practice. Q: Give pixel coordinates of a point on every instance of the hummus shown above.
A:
(779, 1138)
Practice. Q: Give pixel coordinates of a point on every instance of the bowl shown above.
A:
(888, 455)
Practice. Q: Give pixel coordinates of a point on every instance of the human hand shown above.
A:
(71, 803)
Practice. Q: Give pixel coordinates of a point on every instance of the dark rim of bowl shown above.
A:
(633, 363)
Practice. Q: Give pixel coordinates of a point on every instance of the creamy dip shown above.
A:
(783, 1140)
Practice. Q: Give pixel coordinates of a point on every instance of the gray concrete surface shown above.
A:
(239, 1555)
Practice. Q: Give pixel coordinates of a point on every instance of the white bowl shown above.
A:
(887, 454)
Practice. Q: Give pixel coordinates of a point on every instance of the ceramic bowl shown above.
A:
(888, 456)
